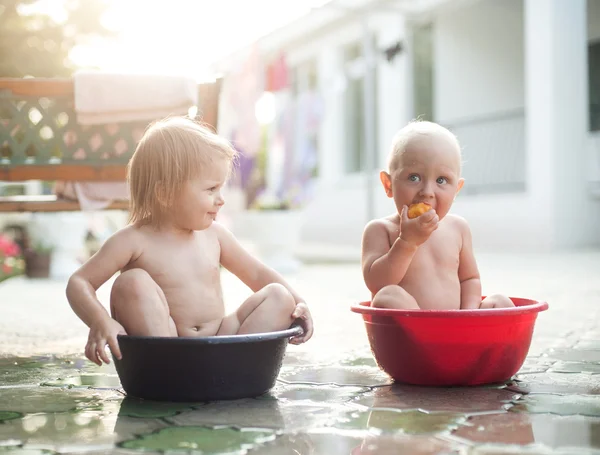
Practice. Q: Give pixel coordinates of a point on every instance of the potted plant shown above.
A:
(38, 257)
(61, 236)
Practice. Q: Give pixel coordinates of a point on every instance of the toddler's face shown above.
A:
(428, 171)
(200, 200)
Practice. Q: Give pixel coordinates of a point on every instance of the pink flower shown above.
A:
(8, 247)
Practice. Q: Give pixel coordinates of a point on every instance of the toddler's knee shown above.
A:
(132, 284)
(500, 301)
(283, 299)
(392, 291)
(278, 292)
(394, 296)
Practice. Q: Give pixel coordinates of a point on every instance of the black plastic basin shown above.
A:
(201, 369)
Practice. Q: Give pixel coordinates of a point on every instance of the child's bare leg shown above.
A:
(394, 296)
(268, 310)
(496, 301)
(140, 306)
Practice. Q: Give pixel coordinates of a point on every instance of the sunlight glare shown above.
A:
(183, 36)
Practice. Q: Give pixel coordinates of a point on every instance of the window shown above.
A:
(423, 72)
(594, 85)
(354, 109)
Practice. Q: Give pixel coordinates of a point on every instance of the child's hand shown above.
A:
(417, 230)
(302, 313)
(100, 335)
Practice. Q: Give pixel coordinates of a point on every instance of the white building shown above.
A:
(517, 80)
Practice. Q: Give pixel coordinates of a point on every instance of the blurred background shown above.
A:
(311, 94)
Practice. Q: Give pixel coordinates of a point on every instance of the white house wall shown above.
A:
(479, 60)
(479, 72)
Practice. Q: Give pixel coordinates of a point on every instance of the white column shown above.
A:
(394, 97)
(556, 119)
(331, 86)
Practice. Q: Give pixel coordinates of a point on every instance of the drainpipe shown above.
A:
(369, 117)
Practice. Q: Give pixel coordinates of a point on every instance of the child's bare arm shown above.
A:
(468, 273)
(381, 264)
(256, 275)
(384, 265)
(114, 254)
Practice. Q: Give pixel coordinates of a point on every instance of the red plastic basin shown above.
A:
(451, 347)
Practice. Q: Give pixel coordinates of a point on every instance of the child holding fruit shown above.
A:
(421, 257)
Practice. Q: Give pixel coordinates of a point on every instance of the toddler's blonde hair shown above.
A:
(414, 132)
(171, 152)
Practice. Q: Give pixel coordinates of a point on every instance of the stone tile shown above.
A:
(494, 449)
(339, 375)
(460, 400)
(330, 443)
(359, 358)
(59, 418)
(51, 369)
(592, 335)
(393, 421)
(588, 405)
(17, 450)
(307, 443)
(95, 380)
(592, 344)
(559, 432)
(344, 356)
(536, 365)
(135, 407)
(576, 367)
(205, 440)
(32, 400)
(557, 383)
(253, 413)
(575, 355)
(317, 393)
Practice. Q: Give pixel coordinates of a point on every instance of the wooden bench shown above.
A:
(40, 139)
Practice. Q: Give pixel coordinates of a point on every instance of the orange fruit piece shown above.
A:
(415, 210)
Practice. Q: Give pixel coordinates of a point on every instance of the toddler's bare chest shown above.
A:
(441, 253)
(185, 265)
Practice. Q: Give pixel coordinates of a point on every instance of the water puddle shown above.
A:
(588, 405)
(557, 383)
(358, 375)
(224, 440)
(50, 370)
(410, 422)
(134, 407)
(575, 355)
(318, 393)
(458, 400)
(524, 429)
(576, 367)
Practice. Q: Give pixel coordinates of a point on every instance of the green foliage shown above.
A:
(33, 43)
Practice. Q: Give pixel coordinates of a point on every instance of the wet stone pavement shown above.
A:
(330, 397)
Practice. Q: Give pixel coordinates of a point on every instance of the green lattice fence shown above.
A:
(44, 131)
